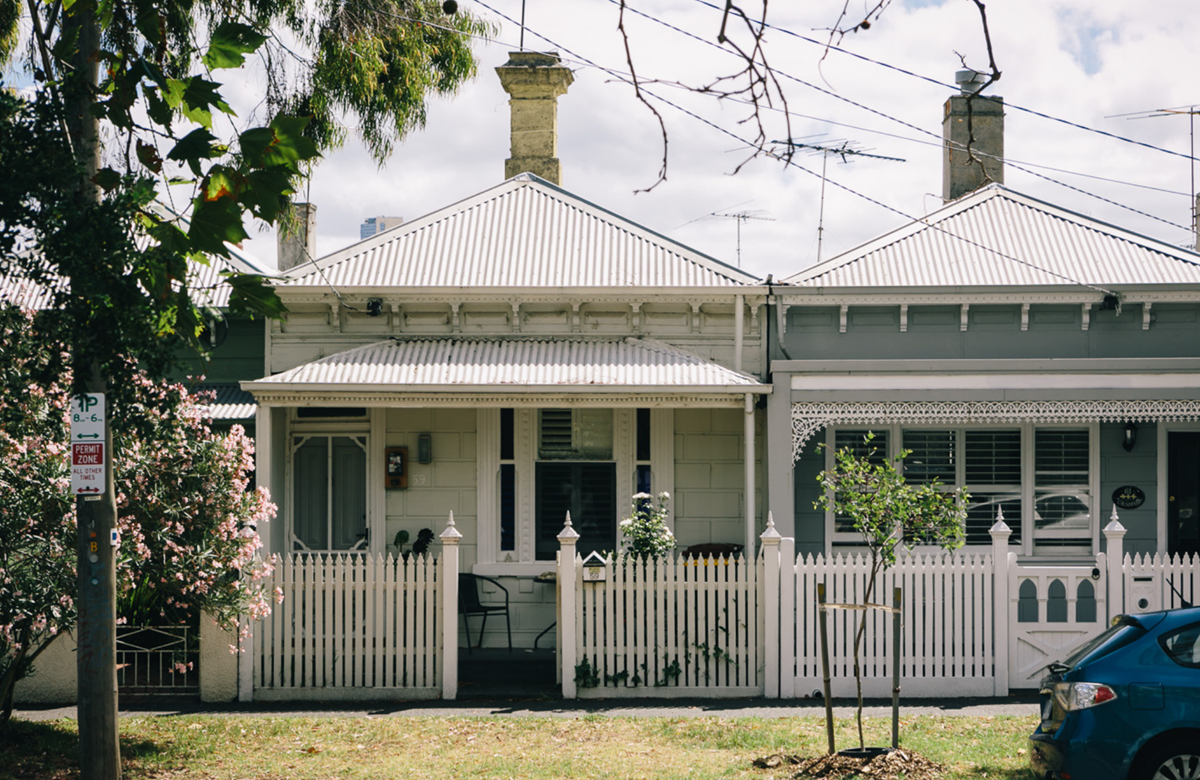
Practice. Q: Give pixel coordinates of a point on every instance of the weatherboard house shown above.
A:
(524, 355)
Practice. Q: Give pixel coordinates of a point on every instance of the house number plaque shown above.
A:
(1128, 497)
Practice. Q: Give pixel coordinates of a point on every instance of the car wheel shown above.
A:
(1173, 762)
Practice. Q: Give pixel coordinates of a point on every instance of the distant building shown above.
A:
(373, 225)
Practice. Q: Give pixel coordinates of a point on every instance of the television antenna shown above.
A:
(1190, 112)
(740, 216)
(846, 150)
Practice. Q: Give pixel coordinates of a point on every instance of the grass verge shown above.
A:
(275, 748)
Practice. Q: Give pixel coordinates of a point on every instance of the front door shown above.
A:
(1183, 493)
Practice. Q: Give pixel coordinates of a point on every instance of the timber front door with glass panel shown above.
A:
(329, 492)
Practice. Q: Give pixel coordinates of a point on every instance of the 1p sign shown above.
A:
(87, 468)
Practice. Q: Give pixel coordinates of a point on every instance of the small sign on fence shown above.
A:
(594, 568)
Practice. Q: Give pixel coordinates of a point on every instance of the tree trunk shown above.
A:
(858, 637)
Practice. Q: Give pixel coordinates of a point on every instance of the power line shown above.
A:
(793, 163)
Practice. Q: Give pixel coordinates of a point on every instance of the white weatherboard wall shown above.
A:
(438, 488)
(710, 476)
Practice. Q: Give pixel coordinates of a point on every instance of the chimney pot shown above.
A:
(534, 82)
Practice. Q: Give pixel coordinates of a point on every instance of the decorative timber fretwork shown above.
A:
(808, 418)
(734, 399)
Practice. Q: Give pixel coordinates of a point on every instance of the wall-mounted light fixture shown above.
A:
(1130, 437)
(425, 449)
(375, 307)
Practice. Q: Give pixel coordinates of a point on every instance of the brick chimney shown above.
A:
(534, 81)
(296, 238)
(960, 174)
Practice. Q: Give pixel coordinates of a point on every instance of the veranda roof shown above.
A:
(510, 365)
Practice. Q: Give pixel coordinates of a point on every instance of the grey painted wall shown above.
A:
(1055, 331)
(1137, 468)
(810, 522)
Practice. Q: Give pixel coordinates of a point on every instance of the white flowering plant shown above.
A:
(645, 531)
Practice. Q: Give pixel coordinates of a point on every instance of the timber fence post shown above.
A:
(787, 618)
(1114, 535)
(448, 576)
(770, 587)
(566, 618)
(1000, 533)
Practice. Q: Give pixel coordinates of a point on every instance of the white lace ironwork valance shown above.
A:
(808, 418)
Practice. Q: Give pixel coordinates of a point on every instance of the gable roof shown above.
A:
(524, 232)
(998, 237)
(512, 364)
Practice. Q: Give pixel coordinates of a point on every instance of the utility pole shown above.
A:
(843, 149)
(96, 514)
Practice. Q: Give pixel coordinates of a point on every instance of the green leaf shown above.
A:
(192, 148)
(215, 222)
(195, 98)
(263, 193)
(290, 145)
(230, 44)
(107, 179)
(252, 294)
(148, 156)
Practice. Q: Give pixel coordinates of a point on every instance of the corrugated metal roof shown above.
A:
(998, 237)
(229, 401)
(207, 285)
(583, 363)
(525, 232)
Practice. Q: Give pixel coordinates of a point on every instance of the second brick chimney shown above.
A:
(534, 81)
(983, 118)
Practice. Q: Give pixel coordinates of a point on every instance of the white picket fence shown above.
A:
(360, 626)
(667, 627)
(947, 633)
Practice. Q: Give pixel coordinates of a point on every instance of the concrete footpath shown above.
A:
(1021, 705)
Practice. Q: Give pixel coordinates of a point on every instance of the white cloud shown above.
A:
(1078, 60)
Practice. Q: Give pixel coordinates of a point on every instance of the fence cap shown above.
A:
(1000, 529)
(451, 535)
(1114, 529)
(771, 536)
(568, 535)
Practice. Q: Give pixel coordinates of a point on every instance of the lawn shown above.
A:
(274, 748)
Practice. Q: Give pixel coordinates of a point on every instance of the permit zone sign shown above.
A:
(87, 445)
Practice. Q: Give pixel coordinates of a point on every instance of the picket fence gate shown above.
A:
(672, 626)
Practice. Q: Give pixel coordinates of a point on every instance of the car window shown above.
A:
(1114, 638)
(1183, 645)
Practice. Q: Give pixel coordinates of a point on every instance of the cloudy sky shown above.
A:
(1080, 63)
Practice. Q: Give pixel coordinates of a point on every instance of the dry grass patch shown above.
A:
(379, 748)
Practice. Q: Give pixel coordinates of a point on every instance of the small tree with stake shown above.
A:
(869, 491)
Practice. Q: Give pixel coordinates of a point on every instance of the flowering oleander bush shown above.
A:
(645, 531)
(187, 515)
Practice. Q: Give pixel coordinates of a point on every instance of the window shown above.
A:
(575, 473)
(641, 454)
(876, 450)
(508, 483)
(992, 476)
(586, 490)
(1062, 495)
(1039, 477)
(329, 492)
(575, 434)
(1183, 645)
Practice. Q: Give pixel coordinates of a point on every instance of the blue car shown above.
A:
(1126, 704)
